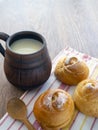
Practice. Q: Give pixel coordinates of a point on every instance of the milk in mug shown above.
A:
(26, 46)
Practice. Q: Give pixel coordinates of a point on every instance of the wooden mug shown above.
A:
(26, 71)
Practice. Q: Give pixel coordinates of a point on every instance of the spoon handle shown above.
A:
(28, 124)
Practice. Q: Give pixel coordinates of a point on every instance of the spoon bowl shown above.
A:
(16, 108)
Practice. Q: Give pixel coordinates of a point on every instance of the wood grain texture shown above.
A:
(62, 22)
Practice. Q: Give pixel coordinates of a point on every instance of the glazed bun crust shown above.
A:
(71, 71)
(86, 97)
(54, 109)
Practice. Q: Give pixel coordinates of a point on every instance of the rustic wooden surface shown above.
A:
(63, 23)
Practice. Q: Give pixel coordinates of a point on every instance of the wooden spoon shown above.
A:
(16, 108)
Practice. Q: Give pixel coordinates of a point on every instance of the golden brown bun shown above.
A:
(86, 97)
(71, 71)
(54, 109)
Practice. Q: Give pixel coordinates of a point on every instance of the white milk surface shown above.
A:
(26, 46)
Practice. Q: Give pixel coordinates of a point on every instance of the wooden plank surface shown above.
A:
(63, 23)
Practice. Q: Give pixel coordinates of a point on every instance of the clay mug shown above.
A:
(25, 71)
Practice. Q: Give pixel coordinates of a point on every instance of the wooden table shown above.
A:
(62, 22)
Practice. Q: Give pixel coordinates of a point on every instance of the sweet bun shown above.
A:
(86, 97)
(70, 70)
(54, 109)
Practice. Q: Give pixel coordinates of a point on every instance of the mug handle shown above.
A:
(4, 37)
